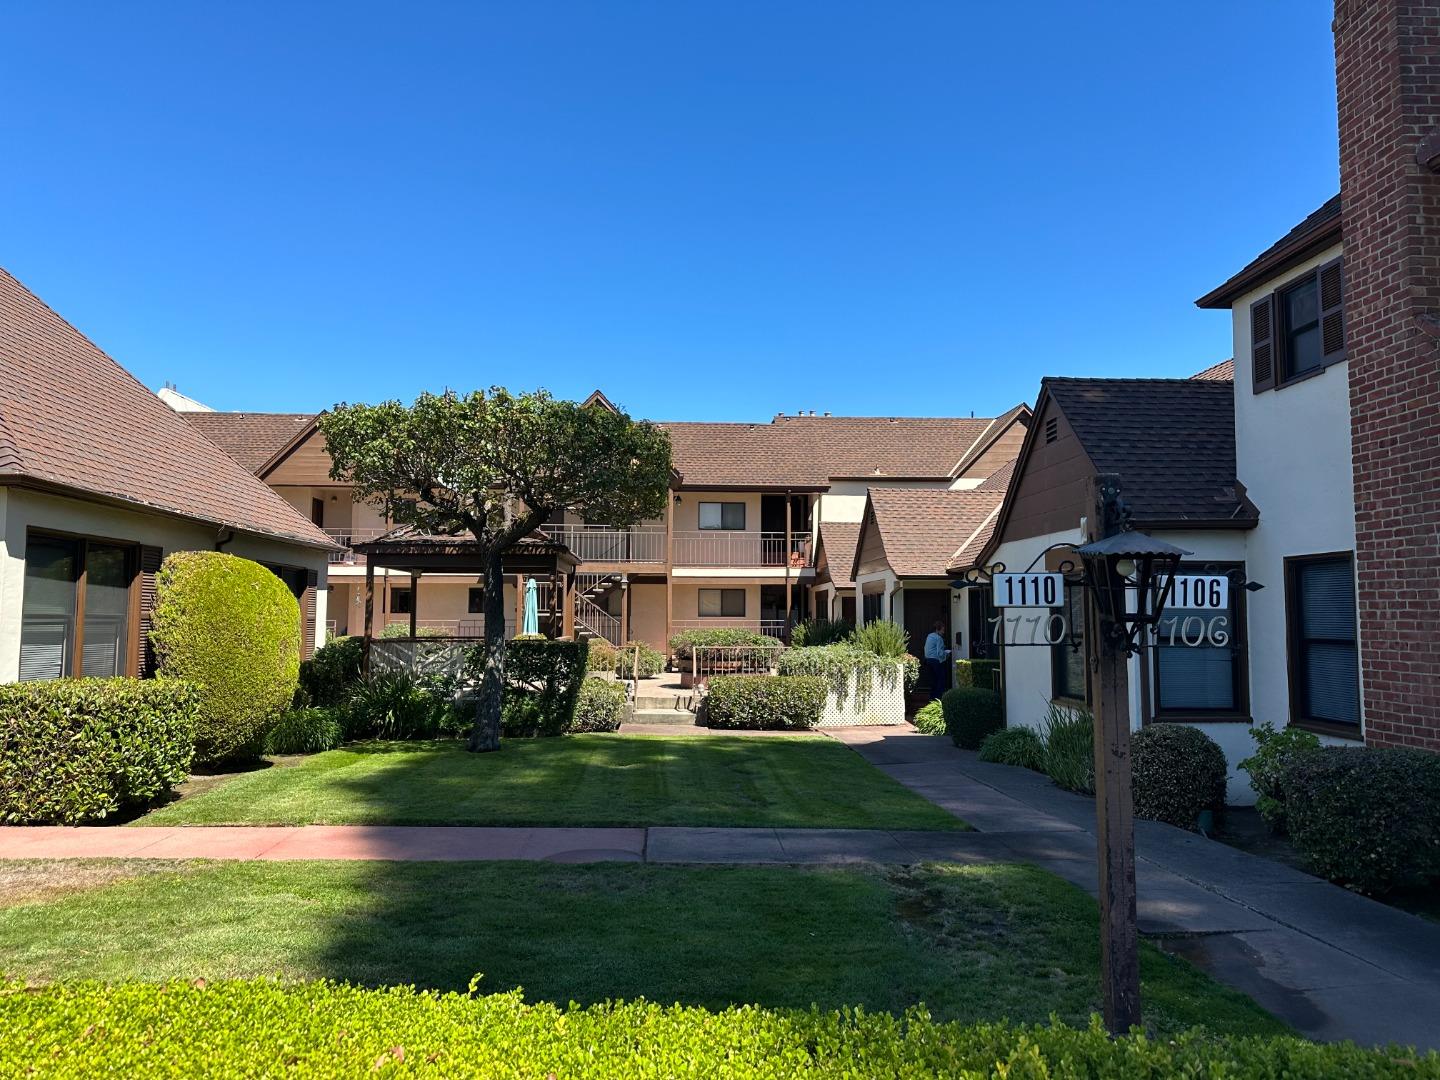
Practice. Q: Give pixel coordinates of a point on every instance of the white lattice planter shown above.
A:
(883, 703)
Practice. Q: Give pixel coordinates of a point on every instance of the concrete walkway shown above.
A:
(1327, 961)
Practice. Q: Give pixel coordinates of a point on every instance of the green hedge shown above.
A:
(542, 685)
(982, 673)
(601, 706)
(395, 705)
(930, 720)
(78, 750)
(1176, 772)
(232, 628)
(765, 702)
(327, 678)
(305, 731)
(971, 714)
(1020, 746)
(683, 644)
(320, 1029)
(605, 657)
(1273, 753)
(1367, 818)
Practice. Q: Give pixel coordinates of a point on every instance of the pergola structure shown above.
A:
(416, 554)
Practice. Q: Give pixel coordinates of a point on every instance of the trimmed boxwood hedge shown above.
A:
(765, 702)
(1367, 818)
(1176, 771)
(1020, 746)
(684, 643)
(601, 706)
(322, 1029)
(981, 673)
(971, 713)
(233, 628)
(78, 750)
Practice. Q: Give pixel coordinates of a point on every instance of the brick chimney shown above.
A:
(1387, 63)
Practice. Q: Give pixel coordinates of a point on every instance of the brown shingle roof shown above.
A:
(809, 451)
(999, 480)
(1224, 371)
(922, 528)
(1318, 231)
(1171, 440)
(71, 416)
(839, 539)
(250, 438)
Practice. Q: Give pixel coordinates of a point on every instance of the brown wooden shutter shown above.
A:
(1332, 312)
(1262, 343)
(150, 559)
(307, 615)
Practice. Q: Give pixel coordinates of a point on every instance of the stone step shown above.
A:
(685, 701)
(662, 716)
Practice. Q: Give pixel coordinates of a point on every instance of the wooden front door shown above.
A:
(922, 608)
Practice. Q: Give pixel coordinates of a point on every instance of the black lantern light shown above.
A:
(1129, 560)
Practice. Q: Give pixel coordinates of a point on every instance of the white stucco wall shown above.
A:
(1292, 447)
(24, 510)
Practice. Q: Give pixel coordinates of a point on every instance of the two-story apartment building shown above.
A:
(99, 481)
(750, 505)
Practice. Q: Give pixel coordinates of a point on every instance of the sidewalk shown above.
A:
(1327, 961)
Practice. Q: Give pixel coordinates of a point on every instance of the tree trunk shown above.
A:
(485, 735)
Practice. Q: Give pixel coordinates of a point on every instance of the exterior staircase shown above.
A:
(661, 701)
(591, 619)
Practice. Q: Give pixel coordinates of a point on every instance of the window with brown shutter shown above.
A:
(307, 615)
(150, 559)
(1299, 329)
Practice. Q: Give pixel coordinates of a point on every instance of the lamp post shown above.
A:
(1118, 563)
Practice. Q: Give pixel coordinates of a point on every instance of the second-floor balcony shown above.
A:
(602, 544)
(349, 538)
(739, 548)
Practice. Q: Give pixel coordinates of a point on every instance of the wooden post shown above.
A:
(567, 617)
(519, 604)
(369, 615)
(788, 586)
(624, 609)
(1114, 808)
(669, 567)
(414, 601)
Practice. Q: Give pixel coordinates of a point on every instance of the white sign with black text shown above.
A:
(1207, 592)
(1029, 590)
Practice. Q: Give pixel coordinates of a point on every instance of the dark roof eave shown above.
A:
(796, 488)
(1248, 521)
(1277, 262)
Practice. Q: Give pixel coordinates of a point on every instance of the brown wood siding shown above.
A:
(872, 548)
(1049, 495)
(1005, 449)
(822, 565)
(308, 463)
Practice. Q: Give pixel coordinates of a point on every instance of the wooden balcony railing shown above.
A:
(602, 544)
(349, 537)
(739, 548)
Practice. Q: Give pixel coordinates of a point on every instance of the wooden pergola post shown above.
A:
(624, 609)
(414, 601)
(1114, 808)
(519, 604)
(567, 618)
(789, 499)
(369, 615)
(669, 564)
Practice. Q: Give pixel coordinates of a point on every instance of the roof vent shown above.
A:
(1052, 429)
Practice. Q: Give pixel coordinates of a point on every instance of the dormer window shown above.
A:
(1299, 329)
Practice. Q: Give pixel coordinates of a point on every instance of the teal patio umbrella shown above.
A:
(532, 607)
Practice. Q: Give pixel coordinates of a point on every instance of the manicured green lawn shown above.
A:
(577, 780)
(973, 942)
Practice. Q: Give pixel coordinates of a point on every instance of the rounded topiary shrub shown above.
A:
(1177, 771)
(601, 706)
(233, 628)
(1367, 818)
(971, 713)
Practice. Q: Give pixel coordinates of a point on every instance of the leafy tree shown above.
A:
(497, 466)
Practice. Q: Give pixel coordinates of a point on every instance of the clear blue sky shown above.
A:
(712, 211)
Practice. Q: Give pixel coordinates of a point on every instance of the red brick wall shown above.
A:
(1387, 55)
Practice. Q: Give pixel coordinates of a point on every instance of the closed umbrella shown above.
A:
(532, 608)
